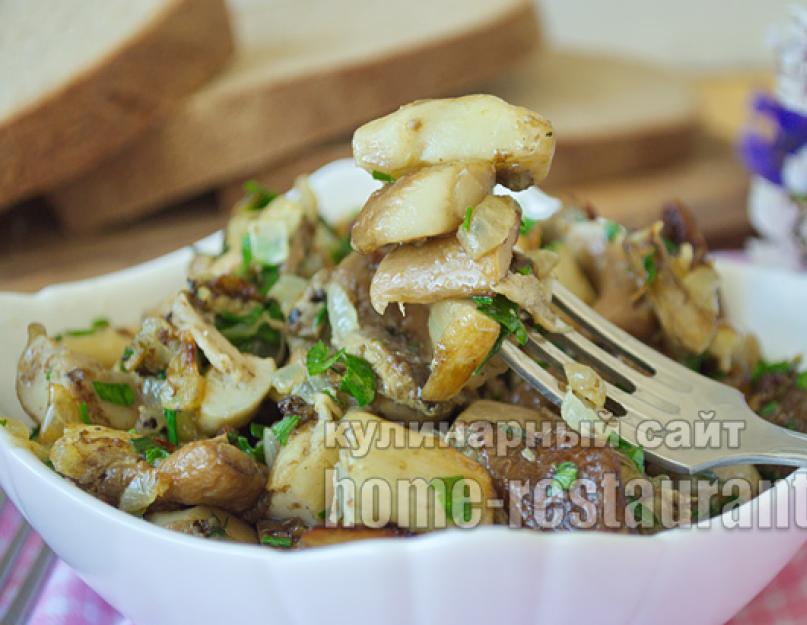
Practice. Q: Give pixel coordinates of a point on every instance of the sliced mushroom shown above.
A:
(425, 203)
(490, 224)
(205, 522)
(486, 410)
(462, 338)
(396, 346)
(231, 402)
(297, 477)
(212, 472)
(517, 141)
(409, 466)
(103, 461)
(533, 295)
(437, 270)
(104, 345)
(682, 292)
(45, 362)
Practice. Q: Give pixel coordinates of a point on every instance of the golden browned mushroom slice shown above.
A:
(420, 469)
(426, 203)
(682, 291)
(489, 411)
(103, 462)
(396, 346)
(235, 384)
(105, 345)
(517, 141)
(437, 270)
(103, 395)
(462, 337)
(205, 522)
(297, 475)
(212, 472)
(488, 225)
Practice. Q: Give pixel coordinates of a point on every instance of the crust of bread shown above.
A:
(71, 129)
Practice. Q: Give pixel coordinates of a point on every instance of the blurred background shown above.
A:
(128, 131)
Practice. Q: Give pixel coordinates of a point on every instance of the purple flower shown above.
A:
(764, 155)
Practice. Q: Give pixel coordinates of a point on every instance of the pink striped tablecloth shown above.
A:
(66, 600)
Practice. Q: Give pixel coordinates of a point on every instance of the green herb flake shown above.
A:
(801, 381)
(3, 422)
(84, 413)
(114, 393)
(634, 453)
(783, 367)
(359, 380)
(34, 432)
(525, 270)
(321, 316)
(612, 230)
(48, 374)
(466, 223)
(317, 360)
(283, 428)
(563, 477)
(322, 514)
(694, 362)
(277, 541)
(127, 354)
(171, 425)
(642, 514)
(527, 225)
(96, 325)
(258, 196)
(650, 268)
(769, 409)
(444, 489)
(380, 175)
(150, 449)
(670, 245)
(505, 312)
(493, 350)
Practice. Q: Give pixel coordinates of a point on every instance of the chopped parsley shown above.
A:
(321, 316)
(650, 268)
(380, 175)
(612, 230)
(642, 514)
(801, 381)
(34, 432)
(563, 477)
(359, 379)
(694, 362)
(505, 312)
(171, 425)
(96, 325)
(256, 430)
(3, 422)
(527, 225)
(769, 409)
(762, 367)
(258, 196)
(634, 453)
(525, 270)
(444, 489)
(466, 223)
(242, 442)
(84, 413)
(127, 354)
(283, 428)
(318, 360)
(276, 541)
(114, 392)
(252, 332)
(670, 245)
(150, 449)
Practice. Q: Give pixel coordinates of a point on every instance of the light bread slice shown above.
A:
(79, 79)
(304, 73)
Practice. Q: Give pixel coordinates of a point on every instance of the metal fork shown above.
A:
(21, 606)
(655, 389)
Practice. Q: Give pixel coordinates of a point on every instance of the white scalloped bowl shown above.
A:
(698, 576)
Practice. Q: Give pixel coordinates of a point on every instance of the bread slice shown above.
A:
(301, 77)
(79, 79)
